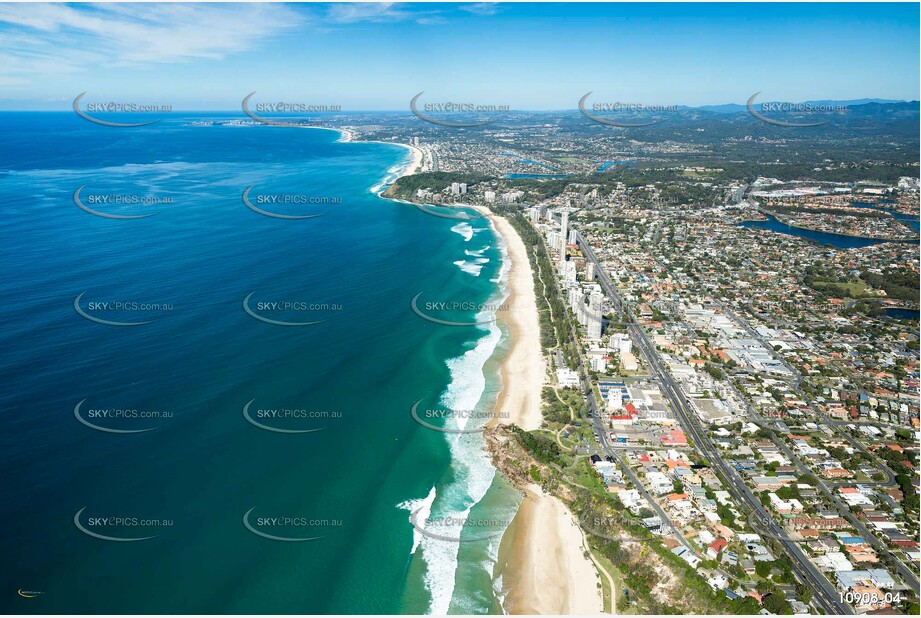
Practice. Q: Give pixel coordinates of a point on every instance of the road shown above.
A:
(824, 592)
(595, 421)
(907, 573)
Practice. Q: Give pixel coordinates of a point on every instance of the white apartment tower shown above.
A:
(564, 235)
(593, 328)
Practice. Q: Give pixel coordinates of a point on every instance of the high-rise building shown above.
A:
(564, 234)
(622, 343)
(615, 399)
(590, 271)
(569, 271)
(593, 328)
(490, 196)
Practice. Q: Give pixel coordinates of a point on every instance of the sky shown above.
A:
(364, 56)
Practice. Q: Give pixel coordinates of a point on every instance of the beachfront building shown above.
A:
(567, 378)
(564, 235)
(593, 326)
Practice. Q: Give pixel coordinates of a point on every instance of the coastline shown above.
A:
(523, 368)
(411, 168)
(542, 561)
(541, 557)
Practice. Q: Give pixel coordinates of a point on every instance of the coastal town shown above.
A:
(459, 309)
(732, 386)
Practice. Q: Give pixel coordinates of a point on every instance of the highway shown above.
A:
(606, 446)
(824, 592)
(827, 487)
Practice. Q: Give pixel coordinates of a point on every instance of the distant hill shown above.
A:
(731, 108)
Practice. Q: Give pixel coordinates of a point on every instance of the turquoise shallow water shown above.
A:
(353, 377)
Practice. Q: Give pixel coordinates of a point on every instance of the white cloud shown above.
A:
(355, 12)
(352, 12)
(481, 8)
(57, 38)
(51, 41)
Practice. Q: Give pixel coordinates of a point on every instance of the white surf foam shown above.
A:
(424, 506)
(464, 229)
(472, 473)
(472, 267)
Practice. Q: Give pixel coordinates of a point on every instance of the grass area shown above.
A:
(583, 474)
(578, 436)
(853, 290)
(605, 586)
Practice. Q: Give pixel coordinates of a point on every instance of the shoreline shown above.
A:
(542, 561)
(408, 170)
(541, 555)
(523, 368)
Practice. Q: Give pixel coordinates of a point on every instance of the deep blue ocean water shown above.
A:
(353, 377)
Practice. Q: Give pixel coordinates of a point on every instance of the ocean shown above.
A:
(209, 409)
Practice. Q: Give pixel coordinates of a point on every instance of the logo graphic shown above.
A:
(253, 314)
(275, 305)
(249, 418)
(444, 123)
(779, 123)
(273, 123)
(106, 123)
(591, 525)
(272, 537)
(266, 213)
(100, 320)
(413, 304)
(80, 418)
(763, 524)
(116, 539)
(611, 123)
(83, 206)
(459, 523)
(415, 414)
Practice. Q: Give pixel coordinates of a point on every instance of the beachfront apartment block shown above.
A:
(567, 378)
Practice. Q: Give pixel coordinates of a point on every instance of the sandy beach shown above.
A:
(413, 167)
(541, 557)
(416, 164)
(541, 560)
(523, 369)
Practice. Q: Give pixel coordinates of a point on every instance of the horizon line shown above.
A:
(864, 101)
